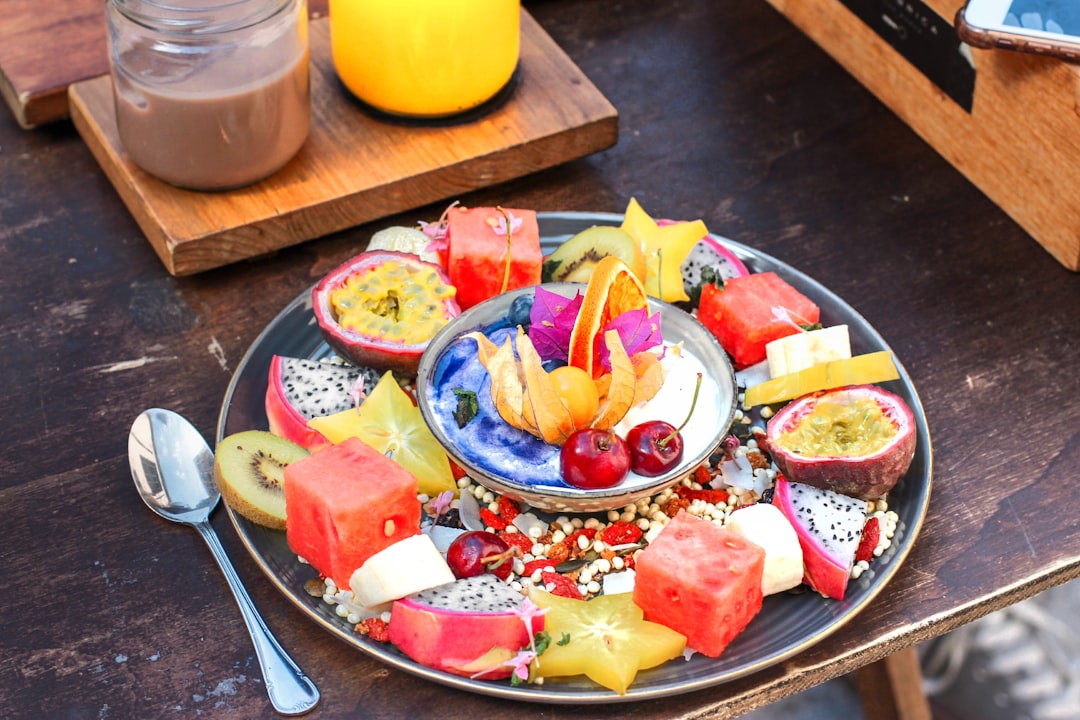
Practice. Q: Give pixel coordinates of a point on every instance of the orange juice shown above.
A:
(425, 58)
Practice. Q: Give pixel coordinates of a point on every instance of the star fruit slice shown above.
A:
(665, 248)
(388, 421)
(607, 639)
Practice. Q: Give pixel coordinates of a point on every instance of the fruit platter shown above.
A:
(775, 403)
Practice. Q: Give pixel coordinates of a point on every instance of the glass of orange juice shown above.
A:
(425, 58)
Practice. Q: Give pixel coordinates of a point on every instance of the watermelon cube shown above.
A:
(753, 310)
(476, 258)
(345, 503)
(701, 580)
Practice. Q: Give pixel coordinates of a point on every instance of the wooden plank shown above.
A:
(1020, 144)
(34, 77)
(891, 688)
(356, 167)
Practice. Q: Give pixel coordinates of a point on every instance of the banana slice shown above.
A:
(804, 349)
(249, 468)
(406, 567)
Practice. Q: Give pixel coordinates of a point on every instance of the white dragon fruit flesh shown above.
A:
(468, 627)
(709, 253)
(299, 389)
(829, 526)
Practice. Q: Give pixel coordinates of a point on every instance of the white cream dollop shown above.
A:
(673, 400)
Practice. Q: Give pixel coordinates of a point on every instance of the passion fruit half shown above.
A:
(381, 308)
(858, 440)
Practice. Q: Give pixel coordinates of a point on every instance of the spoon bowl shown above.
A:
(173, 470)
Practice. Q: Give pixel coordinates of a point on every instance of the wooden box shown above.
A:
(1008, 121)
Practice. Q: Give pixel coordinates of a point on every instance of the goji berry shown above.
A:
(375, 628)
(620, 533)
(561, 585)
(456, 470)
(508, 509)
(492, 520)
(534, 565)
(572, 539)
(519, 540)
(716, 497)
(870, 535)
(702, 475)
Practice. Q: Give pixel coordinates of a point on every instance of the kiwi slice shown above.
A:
(573, 261)
(249, 468)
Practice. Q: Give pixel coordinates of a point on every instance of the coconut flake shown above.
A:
(442, 536)
(753, 375)
(619, 582)
(526, 521)
(469, 512)
(736, 473)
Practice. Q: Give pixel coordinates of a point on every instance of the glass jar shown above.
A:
(210, 94)
(425, 58)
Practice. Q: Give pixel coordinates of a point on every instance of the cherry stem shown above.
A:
(494, 561)
(693, 403)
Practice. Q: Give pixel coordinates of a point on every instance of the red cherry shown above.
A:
(655, 447)
(592, 458)
(477, 552)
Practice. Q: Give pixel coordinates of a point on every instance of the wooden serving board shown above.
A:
(34, 77)
(356, 167)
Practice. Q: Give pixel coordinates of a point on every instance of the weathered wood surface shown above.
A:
(355, 167)
(727, 112)
(47, 46)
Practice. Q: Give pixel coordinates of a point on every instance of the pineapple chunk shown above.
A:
(804, 349)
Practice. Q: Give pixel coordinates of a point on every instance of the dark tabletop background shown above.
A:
(727, 113)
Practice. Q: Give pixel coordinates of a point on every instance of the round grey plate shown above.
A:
(786, 625)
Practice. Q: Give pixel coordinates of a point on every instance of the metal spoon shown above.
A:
(173, 469)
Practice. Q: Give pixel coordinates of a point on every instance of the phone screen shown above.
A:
(1056, 16)
(1041, 26)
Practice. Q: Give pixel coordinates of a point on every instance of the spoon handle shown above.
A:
(291, 691)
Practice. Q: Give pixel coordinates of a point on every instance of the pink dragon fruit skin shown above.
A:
(467, 627)
(298, 389)
(829, 526)
(709, 252)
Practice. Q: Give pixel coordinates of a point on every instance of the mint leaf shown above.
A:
(467, 407)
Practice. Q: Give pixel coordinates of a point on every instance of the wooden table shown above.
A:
(726, 113)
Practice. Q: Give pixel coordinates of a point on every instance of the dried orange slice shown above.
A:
(613, 289)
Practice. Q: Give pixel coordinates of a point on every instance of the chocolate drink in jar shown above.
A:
(210, 98)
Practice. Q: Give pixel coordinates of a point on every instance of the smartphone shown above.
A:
(1044, 27)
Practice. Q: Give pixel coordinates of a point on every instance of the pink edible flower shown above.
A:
(357, 393)
(499, 225)
(527, 612)
(441, 503)
(785, 316)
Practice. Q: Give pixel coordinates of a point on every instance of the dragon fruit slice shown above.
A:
(467, 627)
(829, 526)
(298, 390)
(710, 253)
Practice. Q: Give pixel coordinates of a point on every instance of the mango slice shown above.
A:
(859, 370)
